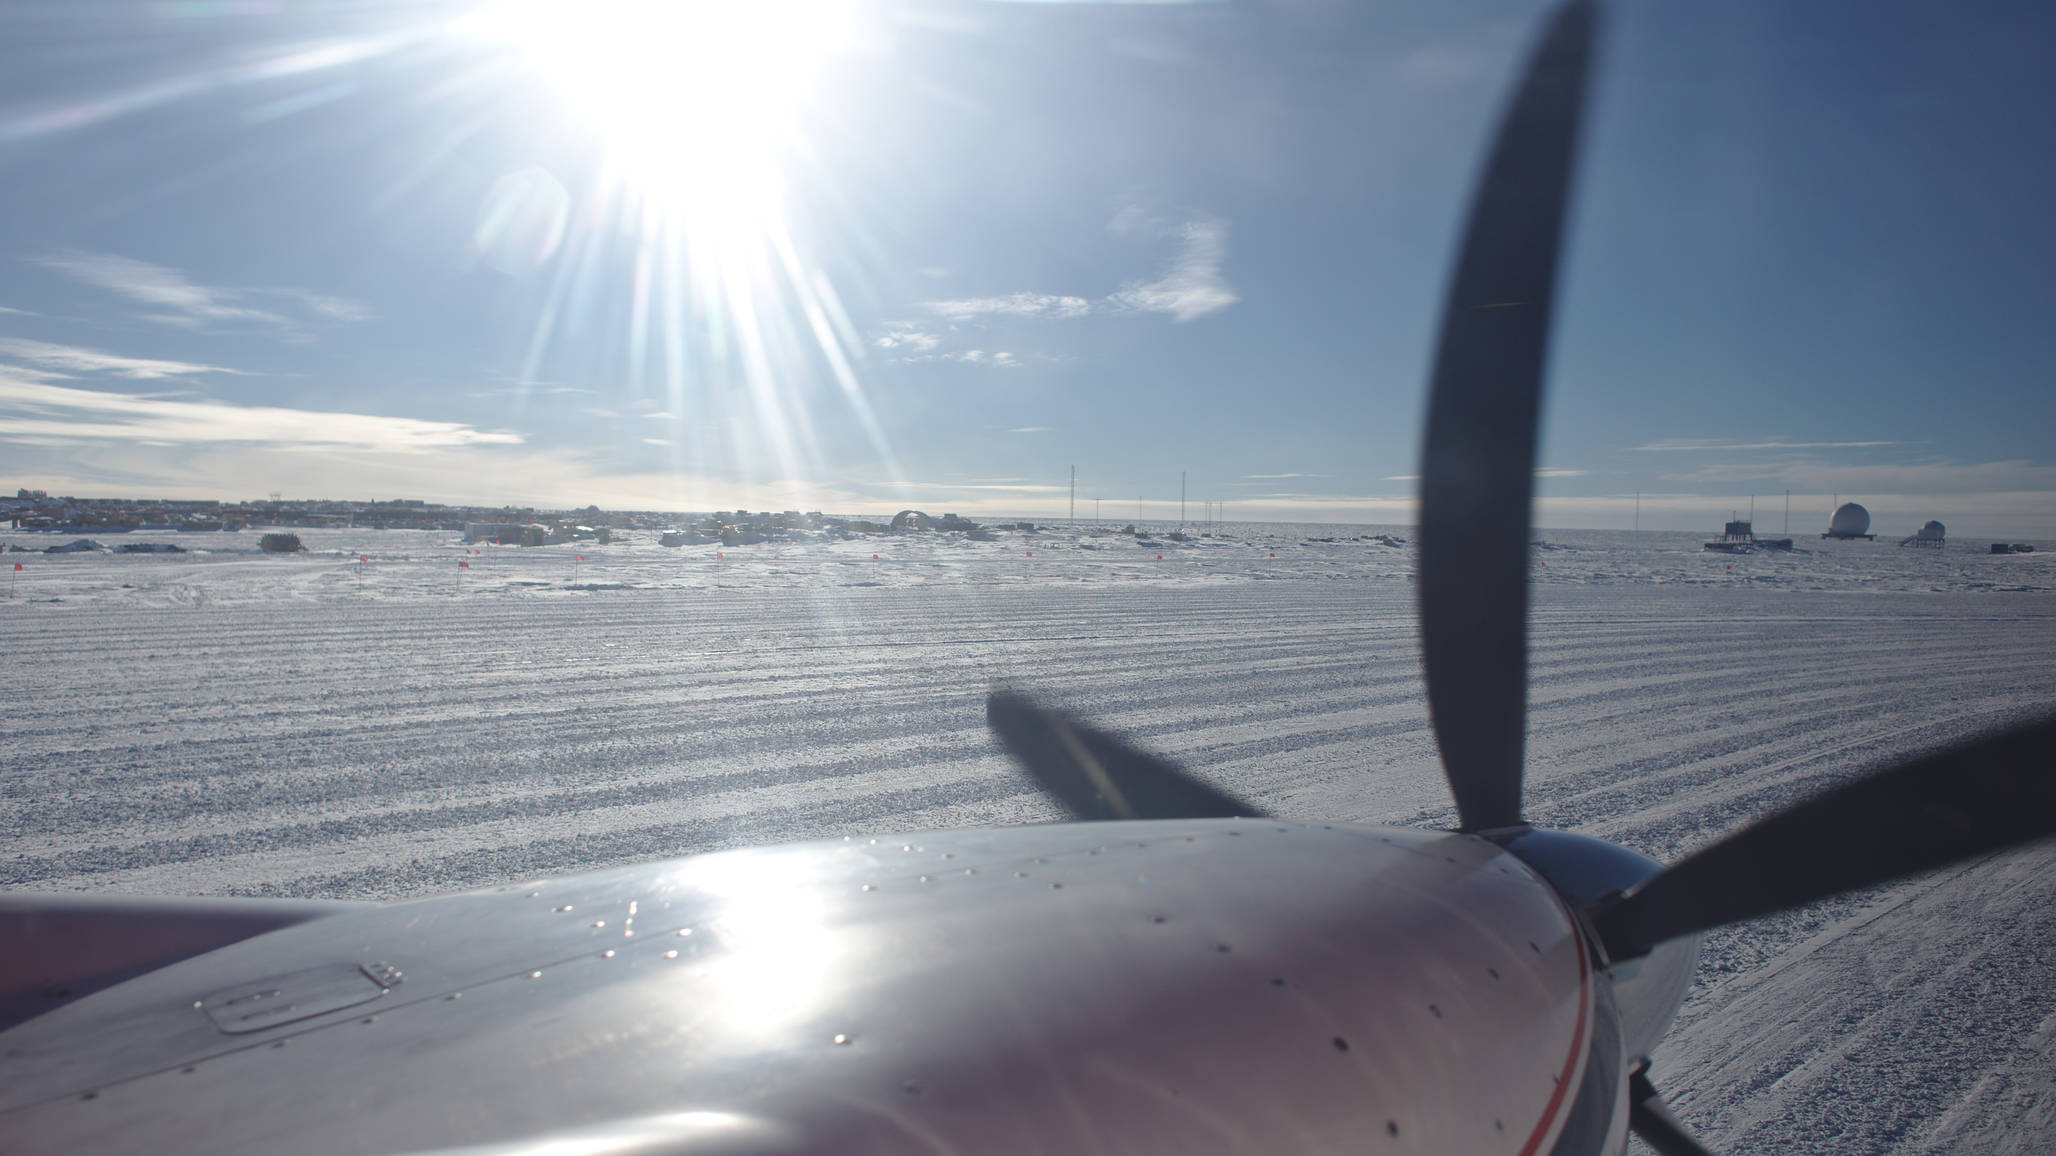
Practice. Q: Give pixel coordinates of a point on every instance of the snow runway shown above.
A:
(230, 723)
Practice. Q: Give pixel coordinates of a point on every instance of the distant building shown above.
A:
(1850, 521)
(1932, 534)
(507, 533)
(1735, 538)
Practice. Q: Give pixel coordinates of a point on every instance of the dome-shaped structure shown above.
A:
(1850, 521)
(1932, 532)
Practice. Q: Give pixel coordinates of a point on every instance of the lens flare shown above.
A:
(700, 111)
(694, 100)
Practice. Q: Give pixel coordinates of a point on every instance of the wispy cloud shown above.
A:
(324, 305)
(158, 287)
(294, 60)
(1544, 472)
(997, 359)
(17, 312)
(1195, 284)
(526, 384)
(1033, 429)
(993, 487)
(1720, 445)
(1278, 477)
(906, 345)
(77, 359)
(1022, 304)
(174, 298)
(1328, 502)
(1481, 54)
(908, 339)
(2014, 514)
(41, 413)
(1934, 477)
(499, 392)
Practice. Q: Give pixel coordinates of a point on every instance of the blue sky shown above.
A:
(864, 257)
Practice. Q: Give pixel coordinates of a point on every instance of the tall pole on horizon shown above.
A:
(1788, 513)
(1181, 499)
(1074, 495)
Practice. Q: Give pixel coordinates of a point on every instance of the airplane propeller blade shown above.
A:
(1096, 776)
(1650, 1120)
(1477, 470)
(1971, 799)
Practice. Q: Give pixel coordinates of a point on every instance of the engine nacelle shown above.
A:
(1649, 989)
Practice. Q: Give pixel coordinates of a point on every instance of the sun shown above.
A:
(704, 115)
(694, 101)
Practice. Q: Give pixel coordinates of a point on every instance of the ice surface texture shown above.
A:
(234, 723)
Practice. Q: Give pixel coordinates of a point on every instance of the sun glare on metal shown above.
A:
(779, 947)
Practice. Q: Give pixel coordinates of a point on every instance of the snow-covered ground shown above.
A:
(222, 721)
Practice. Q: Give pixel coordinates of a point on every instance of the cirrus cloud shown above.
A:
(40, 413)
(1023, 304)
(174, 298)
(78, 359)
(1195, 284)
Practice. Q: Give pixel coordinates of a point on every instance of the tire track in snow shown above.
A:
(289, 740)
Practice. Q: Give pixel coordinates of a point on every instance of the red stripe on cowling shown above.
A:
(1558, 1098)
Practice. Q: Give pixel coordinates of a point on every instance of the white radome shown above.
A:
(1850, 521)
